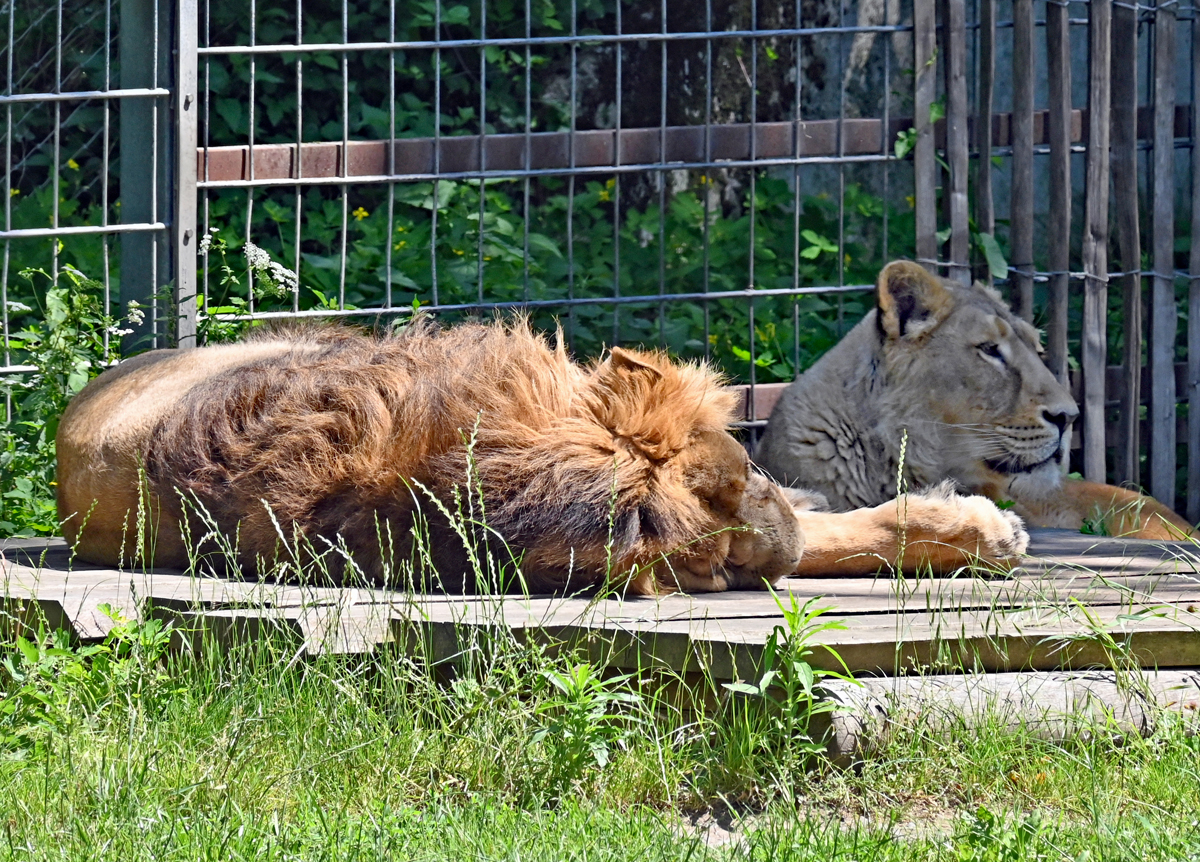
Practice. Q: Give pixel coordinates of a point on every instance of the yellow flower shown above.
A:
(612, 182)
(458, 251)
(72, 164)
(360, 214)
(400, 244)
(605, 195)
(14, 192)
(400, 228)
(912, 201)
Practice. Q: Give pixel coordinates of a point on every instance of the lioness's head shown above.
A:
(970, 374)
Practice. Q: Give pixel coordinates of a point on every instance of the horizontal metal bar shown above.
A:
(17, 369)
(517, 42)
(650, 299)
(82, 95)
(80, 230)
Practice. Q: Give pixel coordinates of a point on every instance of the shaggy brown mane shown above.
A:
(625, 461)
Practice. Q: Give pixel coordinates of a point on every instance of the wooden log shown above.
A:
(924, 157)
(1020, 232)
(1129, 241)
(1162, 296)
(957, 141)
(1058, 61)
(985, 214)
(1193, 360)
(1095, 241)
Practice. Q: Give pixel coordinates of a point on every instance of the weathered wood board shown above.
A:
(1078, 601)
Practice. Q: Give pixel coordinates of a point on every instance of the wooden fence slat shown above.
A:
(1058, 62)
(1095, 241)
(985, 214)
(1193, 360)
(1129, 241)
(958, 154)
(924, 156)
(1020, 232)
(1162, 294)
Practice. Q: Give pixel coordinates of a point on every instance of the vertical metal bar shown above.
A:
(136, 52)
(985, 213)
(662, 178)
(616, 197)
(56, 166)
(184, 229)
(1095, 242)
(527, 161)
(924, 158)
(1162, 296)
(707, 176)
(390, 235)
(1020, 214)
(1058, 55)
(750, 253)
(250, 124)
(797, 132)
(482, 151)
(1125, 205)
(1193, 361)
(106, 134)
(957, 142)
(299, 200)
(437, 150)
(571, 178)
(345, 160)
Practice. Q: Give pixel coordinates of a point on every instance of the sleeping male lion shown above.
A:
(621, 473)
(957, 371)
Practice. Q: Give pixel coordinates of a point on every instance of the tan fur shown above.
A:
(962, 377)
(622, 472)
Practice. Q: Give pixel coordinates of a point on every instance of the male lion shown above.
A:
(951, 370)
(620, 473)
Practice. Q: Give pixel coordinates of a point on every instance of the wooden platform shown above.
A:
(1079, 601)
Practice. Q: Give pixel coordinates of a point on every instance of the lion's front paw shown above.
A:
(942, 523)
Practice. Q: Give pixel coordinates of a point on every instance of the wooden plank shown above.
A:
(1058, 61)
(1094, 334)
(1162, 296)
(924, 157)
(1020, 231)
(985, 214)
(1129, 242)
(954, 32)
(1193, 360)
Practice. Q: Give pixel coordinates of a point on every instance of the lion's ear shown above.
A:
(623, 363)
(911, 301)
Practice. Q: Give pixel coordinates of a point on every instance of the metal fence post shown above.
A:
(144, 50)
(183, 234)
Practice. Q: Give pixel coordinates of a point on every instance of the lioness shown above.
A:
(309, 440)
(947, 378)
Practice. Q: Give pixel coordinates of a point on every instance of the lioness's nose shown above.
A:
(1060, 418)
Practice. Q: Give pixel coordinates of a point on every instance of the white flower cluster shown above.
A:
(276, 274)
(206, 241)
(136, 315)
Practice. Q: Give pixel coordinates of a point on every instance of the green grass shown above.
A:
(131, 752)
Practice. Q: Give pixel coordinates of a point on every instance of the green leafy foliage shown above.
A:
(46, 683)
(68, 338)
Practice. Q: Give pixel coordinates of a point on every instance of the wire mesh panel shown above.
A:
(706, 178)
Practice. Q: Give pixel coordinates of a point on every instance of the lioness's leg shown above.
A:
(938, 531)
(1121, 511)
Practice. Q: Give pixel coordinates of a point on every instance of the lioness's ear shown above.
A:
(911, 301)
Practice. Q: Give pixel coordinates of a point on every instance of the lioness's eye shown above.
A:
(992, 349)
